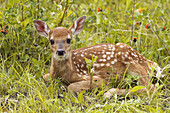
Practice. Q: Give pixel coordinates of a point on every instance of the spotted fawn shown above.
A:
(70, 65)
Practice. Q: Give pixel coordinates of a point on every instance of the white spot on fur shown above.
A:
(84, 72)
(132, 62)
(108, 53)
(130, 58)
(79, 75)
(101, 60)
(123, 58)
(108, 64)
(140, 56)
(97, 65)
(75, 53)
(119, 53)
(126, 55)
(111, 56)
(102, 64)
(115, 60)
(126, 62)
(104, 56)
(77, 70)
(112, 62)
(95, 77)
(98, 52)
(135, 55)
(113, 48)
(118, 43)
(121, 46)
(132, 54)
(82, 55)
(80, 60)
(94, 56)
(97, 46)
(108, 58)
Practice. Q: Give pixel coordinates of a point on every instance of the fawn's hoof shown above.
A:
(46, 77)
(107, 95)
(110, 93)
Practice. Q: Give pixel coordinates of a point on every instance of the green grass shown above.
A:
(22, 64)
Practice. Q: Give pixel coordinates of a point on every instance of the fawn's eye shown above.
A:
(68, 40)
(52, 42)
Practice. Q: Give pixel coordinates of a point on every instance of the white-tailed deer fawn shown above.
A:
(70, 65)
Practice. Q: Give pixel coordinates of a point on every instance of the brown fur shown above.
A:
(71, 67)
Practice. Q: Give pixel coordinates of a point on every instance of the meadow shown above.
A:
(25, 56)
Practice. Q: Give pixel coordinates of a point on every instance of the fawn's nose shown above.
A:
(60, 52)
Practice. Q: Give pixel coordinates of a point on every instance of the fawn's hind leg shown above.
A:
(79, 86)
(85, 84)
(134, 69)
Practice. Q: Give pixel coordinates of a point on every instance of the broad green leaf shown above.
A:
(94, 60)
(81, 97)
(26, 22)
(87, 61)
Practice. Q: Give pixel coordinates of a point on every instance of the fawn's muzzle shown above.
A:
(60, 52)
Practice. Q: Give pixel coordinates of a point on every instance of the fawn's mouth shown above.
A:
(60, 57)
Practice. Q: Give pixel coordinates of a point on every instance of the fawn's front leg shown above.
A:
(134, 69)
(50, 75)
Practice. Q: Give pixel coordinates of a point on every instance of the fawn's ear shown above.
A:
(77, 26)
(42, 28)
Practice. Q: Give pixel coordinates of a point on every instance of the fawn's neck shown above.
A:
(62, 68)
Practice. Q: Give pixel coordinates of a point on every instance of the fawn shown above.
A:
(70, 65)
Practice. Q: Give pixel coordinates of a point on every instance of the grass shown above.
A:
(25, 57)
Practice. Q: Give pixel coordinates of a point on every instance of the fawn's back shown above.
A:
(111, 59)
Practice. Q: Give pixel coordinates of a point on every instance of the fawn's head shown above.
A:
(60, 37)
